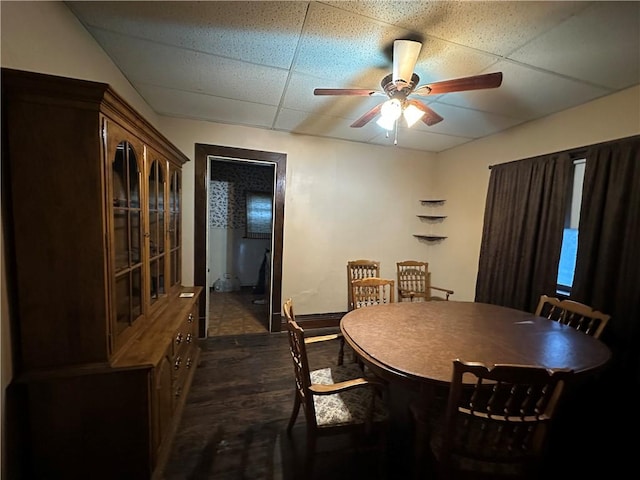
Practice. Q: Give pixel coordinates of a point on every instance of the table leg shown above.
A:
(422, 410)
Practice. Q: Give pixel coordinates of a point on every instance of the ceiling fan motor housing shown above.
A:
(399, 89)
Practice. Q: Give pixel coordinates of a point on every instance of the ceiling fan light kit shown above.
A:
(403, 82)
(391, 111)
(412, 114)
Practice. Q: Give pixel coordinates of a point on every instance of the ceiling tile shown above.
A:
(265, 33)
(419, 140)
(193, 71)
(338, 45)
(256, 63)
(582, 48)
(466, 122)
(526, 93)
(321, 125)
(205, 107)
(299, 96)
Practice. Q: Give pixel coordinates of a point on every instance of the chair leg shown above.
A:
(341, 352)
(294, 413)
(309, 459)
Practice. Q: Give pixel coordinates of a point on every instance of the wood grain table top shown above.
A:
(417, 341)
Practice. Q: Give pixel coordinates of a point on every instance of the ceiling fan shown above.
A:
(402, 82)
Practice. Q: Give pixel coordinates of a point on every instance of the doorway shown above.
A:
(204, 154)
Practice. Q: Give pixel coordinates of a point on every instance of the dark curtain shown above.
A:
(522, 234)
(607, 274)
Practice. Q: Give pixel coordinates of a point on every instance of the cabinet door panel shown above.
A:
(157, 228)
(163, 401)
(175, 233)
(124, 156)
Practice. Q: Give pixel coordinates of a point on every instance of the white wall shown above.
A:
(343, 201)
(231, 253)
(336, 191)
(46, 37)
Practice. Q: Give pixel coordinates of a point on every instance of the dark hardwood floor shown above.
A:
(234, 422)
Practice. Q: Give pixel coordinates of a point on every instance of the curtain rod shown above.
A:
(573, 152)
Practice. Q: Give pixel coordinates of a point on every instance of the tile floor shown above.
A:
(235, 313)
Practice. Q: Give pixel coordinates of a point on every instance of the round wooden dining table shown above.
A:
(418, 341)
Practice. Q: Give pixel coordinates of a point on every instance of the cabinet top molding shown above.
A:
(89, 95)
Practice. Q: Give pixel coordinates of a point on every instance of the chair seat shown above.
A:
(347, 407)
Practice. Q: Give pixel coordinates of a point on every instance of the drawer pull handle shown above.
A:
(190, 319)
(189, 338)
(189, 362)
(179, 338)
(178, 391)
(177, 363)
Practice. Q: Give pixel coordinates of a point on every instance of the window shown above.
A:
(259, 215)
(567, 265)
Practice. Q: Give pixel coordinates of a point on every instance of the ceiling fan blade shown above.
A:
(367, 117)
(476, 82)
(348, 91)
(430, 117)
(405, 56)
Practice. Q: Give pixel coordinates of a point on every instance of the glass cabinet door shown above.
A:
(127, 231)
(157, 216)
(175, 233)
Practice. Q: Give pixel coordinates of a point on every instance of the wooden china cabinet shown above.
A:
(105, 343)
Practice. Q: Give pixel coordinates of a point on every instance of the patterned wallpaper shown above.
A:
(227, 187)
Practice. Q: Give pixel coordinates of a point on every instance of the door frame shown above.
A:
(203, 152)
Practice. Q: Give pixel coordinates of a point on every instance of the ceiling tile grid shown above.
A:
(256, 63)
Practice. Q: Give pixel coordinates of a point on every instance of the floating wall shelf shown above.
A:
(431, 238)
(431, 218)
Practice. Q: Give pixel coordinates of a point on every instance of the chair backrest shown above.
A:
(358, 269)
(414, 282)
(300, 362)
(577, 315)
(413, 278)
(499, 414)
(372, 291)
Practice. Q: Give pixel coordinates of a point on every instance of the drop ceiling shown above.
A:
(257, 63)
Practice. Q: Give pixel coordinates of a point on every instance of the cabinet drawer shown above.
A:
(183, 367)
(186, 334)
(184, 351)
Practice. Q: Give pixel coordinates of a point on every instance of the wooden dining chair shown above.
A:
(335, 400)
(356, 270)
(366, 292)
(497, 420)
(575, 314)
(359, 269)
(414, 283)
